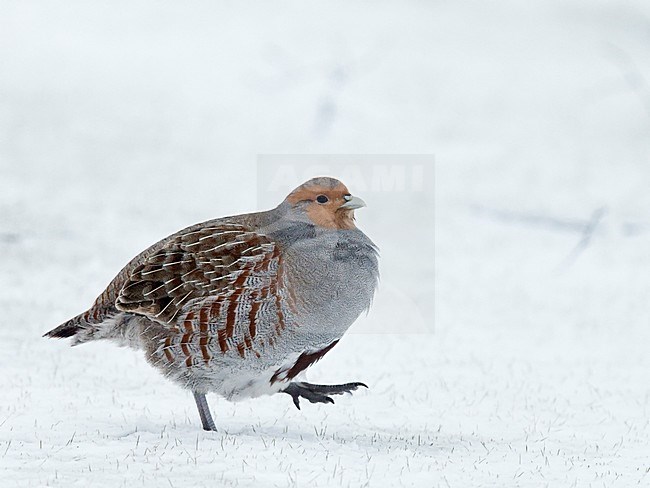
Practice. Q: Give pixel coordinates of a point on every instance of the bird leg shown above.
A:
(318, 393)
(204, 411)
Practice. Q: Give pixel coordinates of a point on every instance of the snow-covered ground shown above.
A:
(522, 361)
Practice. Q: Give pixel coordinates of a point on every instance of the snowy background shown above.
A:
(121, 122)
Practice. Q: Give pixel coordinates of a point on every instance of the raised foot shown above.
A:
(318, 393)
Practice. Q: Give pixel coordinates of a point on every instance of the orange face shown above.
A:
(328, 203)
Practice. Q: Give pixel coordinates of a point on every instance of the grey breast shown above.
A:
(333, 272)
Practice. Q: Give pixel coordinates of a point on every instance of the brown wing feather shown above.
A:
(202, 263)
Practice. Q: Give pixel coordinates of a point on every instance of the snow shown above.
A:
(516, 357)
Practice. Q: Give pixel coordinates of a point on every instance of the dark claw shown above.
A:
(296, 401)
(318, 393)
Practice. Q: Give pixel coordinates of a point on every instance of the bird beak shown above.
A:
(352, 202)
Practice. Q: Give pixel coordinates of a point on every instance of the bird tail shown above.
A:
(116, 327)
(68, 329)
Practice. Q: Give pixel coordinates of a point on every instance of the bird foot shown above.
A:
(318, 393)
(204, 412)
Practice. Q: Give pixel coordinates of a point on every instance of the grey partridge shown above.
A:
(241, 305)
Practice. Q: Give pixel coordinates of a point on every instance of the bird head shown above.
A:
(326, 202)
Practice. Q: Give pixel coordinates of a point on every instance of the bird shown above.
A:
(241, 306)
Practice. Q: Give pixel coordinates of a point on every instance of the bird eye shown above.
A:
(322, 199)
